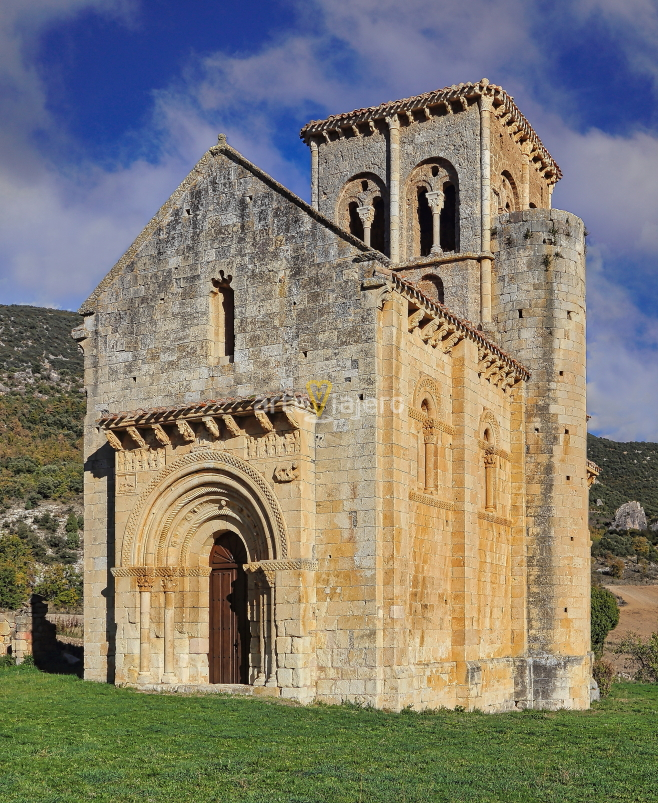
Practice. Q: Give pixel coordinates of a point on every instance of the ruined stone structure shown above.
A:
(421, 540)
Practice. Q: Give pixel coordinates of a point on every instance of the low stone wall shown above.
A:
(33, 631)
(16, 634)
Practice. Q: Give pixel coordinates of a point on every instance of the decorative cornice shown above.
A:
(202, 411)
(301, 564)
(493, 519)
(422, 107)
(433, 501)
(161, 571)
(452, 329)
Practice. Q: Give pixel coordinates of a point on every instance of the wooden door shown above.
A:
(229, 625)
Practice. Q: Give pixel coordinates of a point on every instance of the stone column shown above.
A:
(429, 435)
(169, 585)
(485, 237)
(525, 175)
(145, 585)
(490, 482)
(315, 171)
(271, 647)
(436, 201)
(394, 186)
(367, 215)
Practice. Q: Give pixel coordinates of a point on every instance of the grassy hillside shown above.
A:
(629, 471)
(41, 405)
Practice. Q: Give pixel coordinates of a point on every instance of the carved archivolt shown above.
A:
(207, 477)
(488, 421)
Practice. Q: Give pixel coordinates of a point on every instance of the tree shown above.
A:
(605, 617)
(62, 585)
(16, 571)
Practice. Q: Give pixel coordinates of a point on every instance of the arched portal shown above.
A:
(187, 541)
(229, 638)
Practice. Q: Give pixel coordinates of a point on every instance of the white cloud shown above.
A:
(62, 230)
(622, 361)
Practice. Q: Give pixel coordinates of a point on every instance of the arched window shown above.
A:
(449, 218)
(432, 209)
(424, 214)
(222, 318)
(378, 231)
(431, 286)
(362, 210)
(489, 472)
(508, 198)
(356, 225)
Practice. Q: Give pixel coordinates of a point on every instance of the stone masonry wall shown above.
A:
(454, 137)
(539, 315)
(299, 316)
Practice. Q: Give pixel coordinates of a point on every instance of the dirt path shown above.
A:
(639, 615)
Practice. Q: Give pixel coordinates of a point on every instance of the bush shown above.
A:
(73, 524)
(604, 617)
(604, 675)
(642, 656)
(617, 567)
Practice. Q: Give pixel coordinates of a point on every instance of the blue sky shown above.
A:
(106, 104)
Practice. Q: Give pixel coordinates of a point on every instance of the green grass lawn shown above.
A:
(62, 739)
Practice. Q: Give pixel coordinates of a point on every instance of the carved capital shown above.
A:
(367, 215)
(169, 584)
(145, 582)
(435, 200)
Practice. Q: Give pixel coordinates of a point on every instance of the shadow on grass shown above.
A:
(52, 655)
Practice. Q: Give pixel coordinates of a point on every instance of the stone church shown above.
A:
(337, 451)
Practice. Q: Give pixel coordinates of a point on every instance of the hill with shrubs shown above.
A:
(42, 406)
(629, 472)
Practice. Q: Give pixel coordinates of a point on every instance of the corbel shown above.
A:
(440, 333)
(160, 435)
(294, 423)
(415, 318)
(186, 431)
(135, 435)
(449, 343)
(428, 330)
(211, 425)
(232, 426)
(263, 420)
(113, 440)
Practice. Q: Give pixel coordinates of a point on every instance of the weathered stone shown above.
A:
(405, 491)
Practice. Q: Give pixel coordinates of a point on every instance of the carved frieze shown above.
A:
(130, 460)
(274, 444)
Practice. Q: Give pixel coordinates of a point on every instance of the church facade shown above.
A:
(337, 451)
